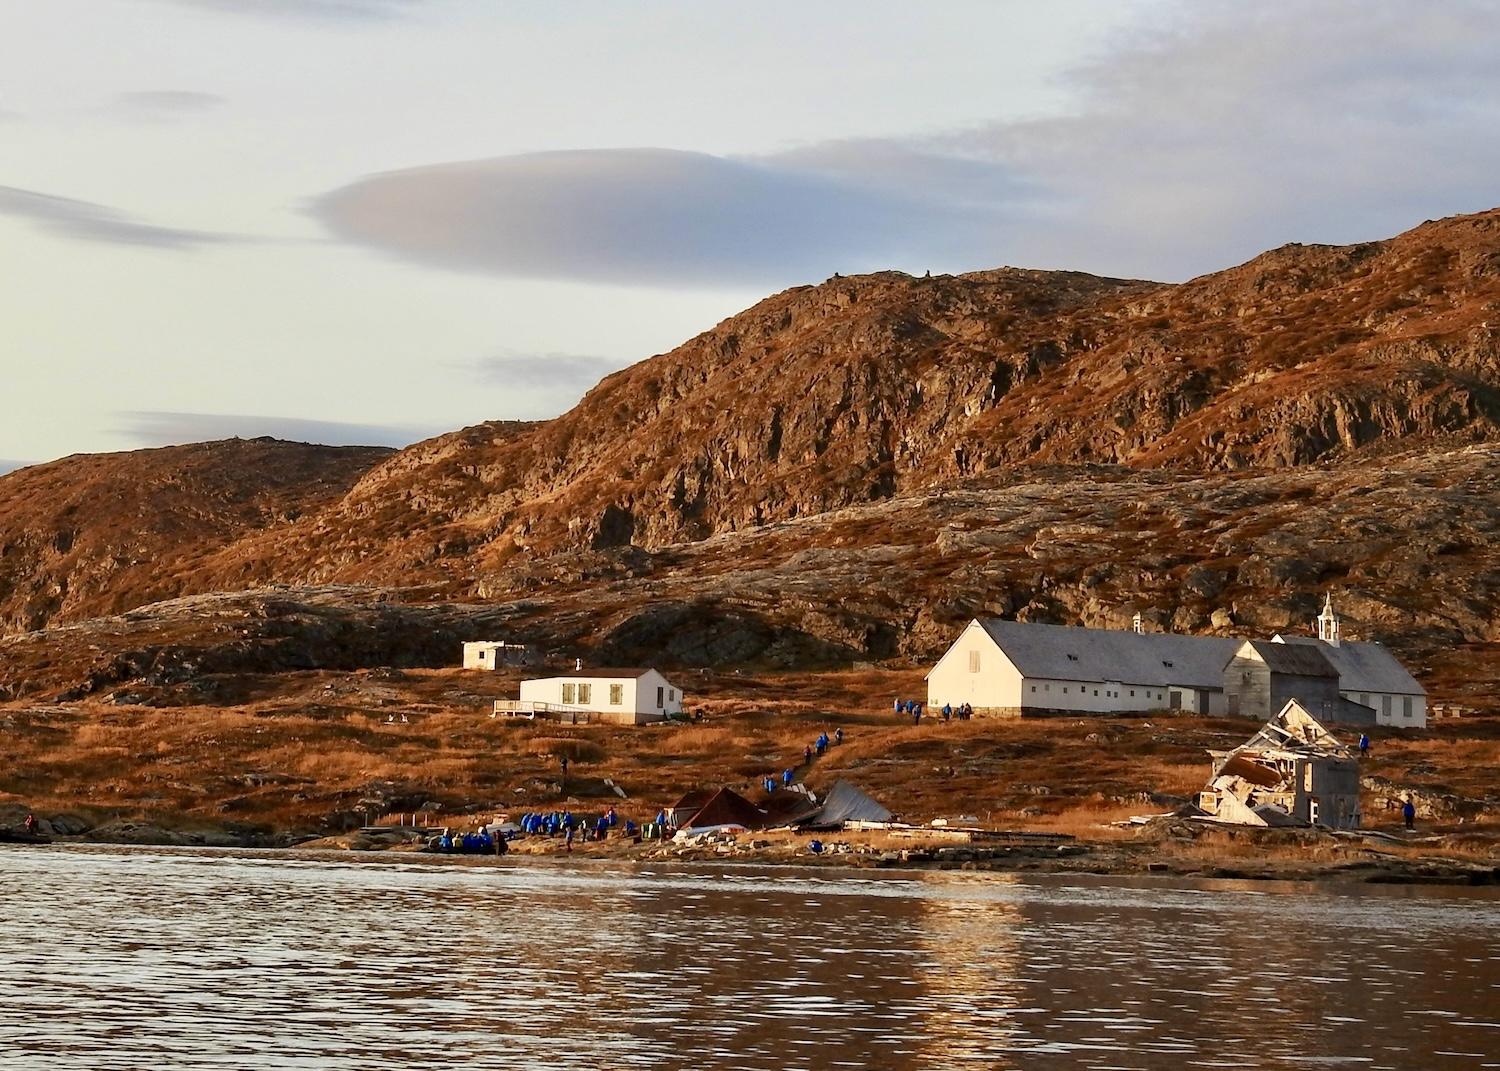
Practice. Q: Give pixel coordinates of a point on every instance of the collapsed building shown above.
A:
(1293, 772)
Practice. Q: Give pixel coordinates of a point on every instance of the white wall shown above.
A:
(1080, 696)
(479, 656)
(637, 696)
(1390, 709)
(997, 684)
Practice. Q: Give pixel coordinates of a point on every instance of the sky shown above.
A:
(372, 221)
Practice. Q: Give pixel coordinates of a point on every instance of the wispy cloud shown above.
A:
(1217, 130)
(166, 428)
(540, 385)
(158, 104)
(358, 10)
(92, 222)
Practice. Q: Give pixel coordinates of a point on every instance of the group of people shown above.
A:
(915, 708)
(570, 826)
(478, 842)
(816, 749)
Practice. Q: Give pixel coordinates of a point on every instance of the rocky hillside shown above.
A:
(861, 389)
(96, 533)
(845, 470)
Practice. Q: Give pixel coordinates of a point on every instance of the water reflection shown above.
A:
(118, 959)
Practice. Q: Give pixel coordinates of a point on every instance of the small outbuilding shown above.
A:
(1293, 772)
(621, 696)
(497, 654)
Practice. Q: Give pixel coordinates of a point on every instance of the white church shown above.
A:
(1013, 668)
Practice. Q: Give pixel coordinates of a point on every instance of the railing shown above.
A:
(530, 708)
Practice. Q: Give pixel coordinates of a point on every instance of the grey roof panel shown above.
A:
(1295, 659)
(1363, 667)
(1154, 659)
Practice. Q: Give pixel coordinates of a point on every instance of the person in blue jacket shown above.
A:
(786, 776)
(1409, 813)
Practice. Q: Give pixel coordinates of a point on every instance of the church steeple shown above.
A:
(1328, 622)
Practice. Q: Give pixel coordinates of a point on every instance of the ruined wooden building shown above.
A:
(1293, 772)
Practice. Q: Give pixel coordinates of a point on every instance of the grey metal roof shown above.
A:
(1295, 659)
(1363, 667)
(1154, 659)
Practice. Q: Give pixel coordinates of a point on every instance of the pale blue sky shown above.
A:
(372, 220)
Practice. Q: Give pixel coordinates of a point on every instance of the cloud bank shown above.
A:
(166, 428)
(637, 216)
(92, 222)
(1218, 131)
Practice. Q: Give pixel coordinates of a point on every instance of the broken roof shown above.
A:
(845, 803)
(727, 808)
(1294, 729)
(1154, 659)
(1362, 667)
(1293, 659)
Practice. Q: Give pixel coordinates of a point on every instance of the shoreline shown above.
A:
(1095, 858)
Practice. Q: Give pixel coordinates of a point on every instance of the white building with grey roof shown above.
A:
(1009, 668)
(1368, 673)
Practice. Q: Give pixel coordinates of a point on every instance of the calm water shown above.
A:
(115, 959)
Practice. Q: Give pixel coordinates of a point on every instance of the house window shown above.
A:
(1046, 687)
(585, 693)
(659, 697)
(671, 693)
(1385, 705)
(570, 693)
(1132, 693)
(1166, 663)
(1072, 658)
(1406, 707)
(973, 661)
(1033, 687)
(1096, 691)
(482, 654)
(616, 695)
(1065, 689)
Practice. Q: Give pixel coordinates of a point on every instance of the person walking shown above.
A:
(1409, 813)
(1364, 745)
(838, 735)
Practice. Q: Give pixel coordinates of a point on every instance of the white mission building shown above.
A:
(1012, 668)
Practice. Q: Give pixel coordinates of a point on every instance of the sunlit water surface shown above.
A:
(157, 959)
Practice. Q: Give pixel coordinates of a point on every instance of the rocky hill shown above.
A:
(861, 389)
(845, 471)
(97, 533)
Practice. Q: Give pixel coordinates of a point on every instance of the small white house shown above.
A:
(623, 696)
(494, 654)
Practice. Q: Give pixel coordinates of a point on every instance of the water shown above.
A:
(167, 959)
